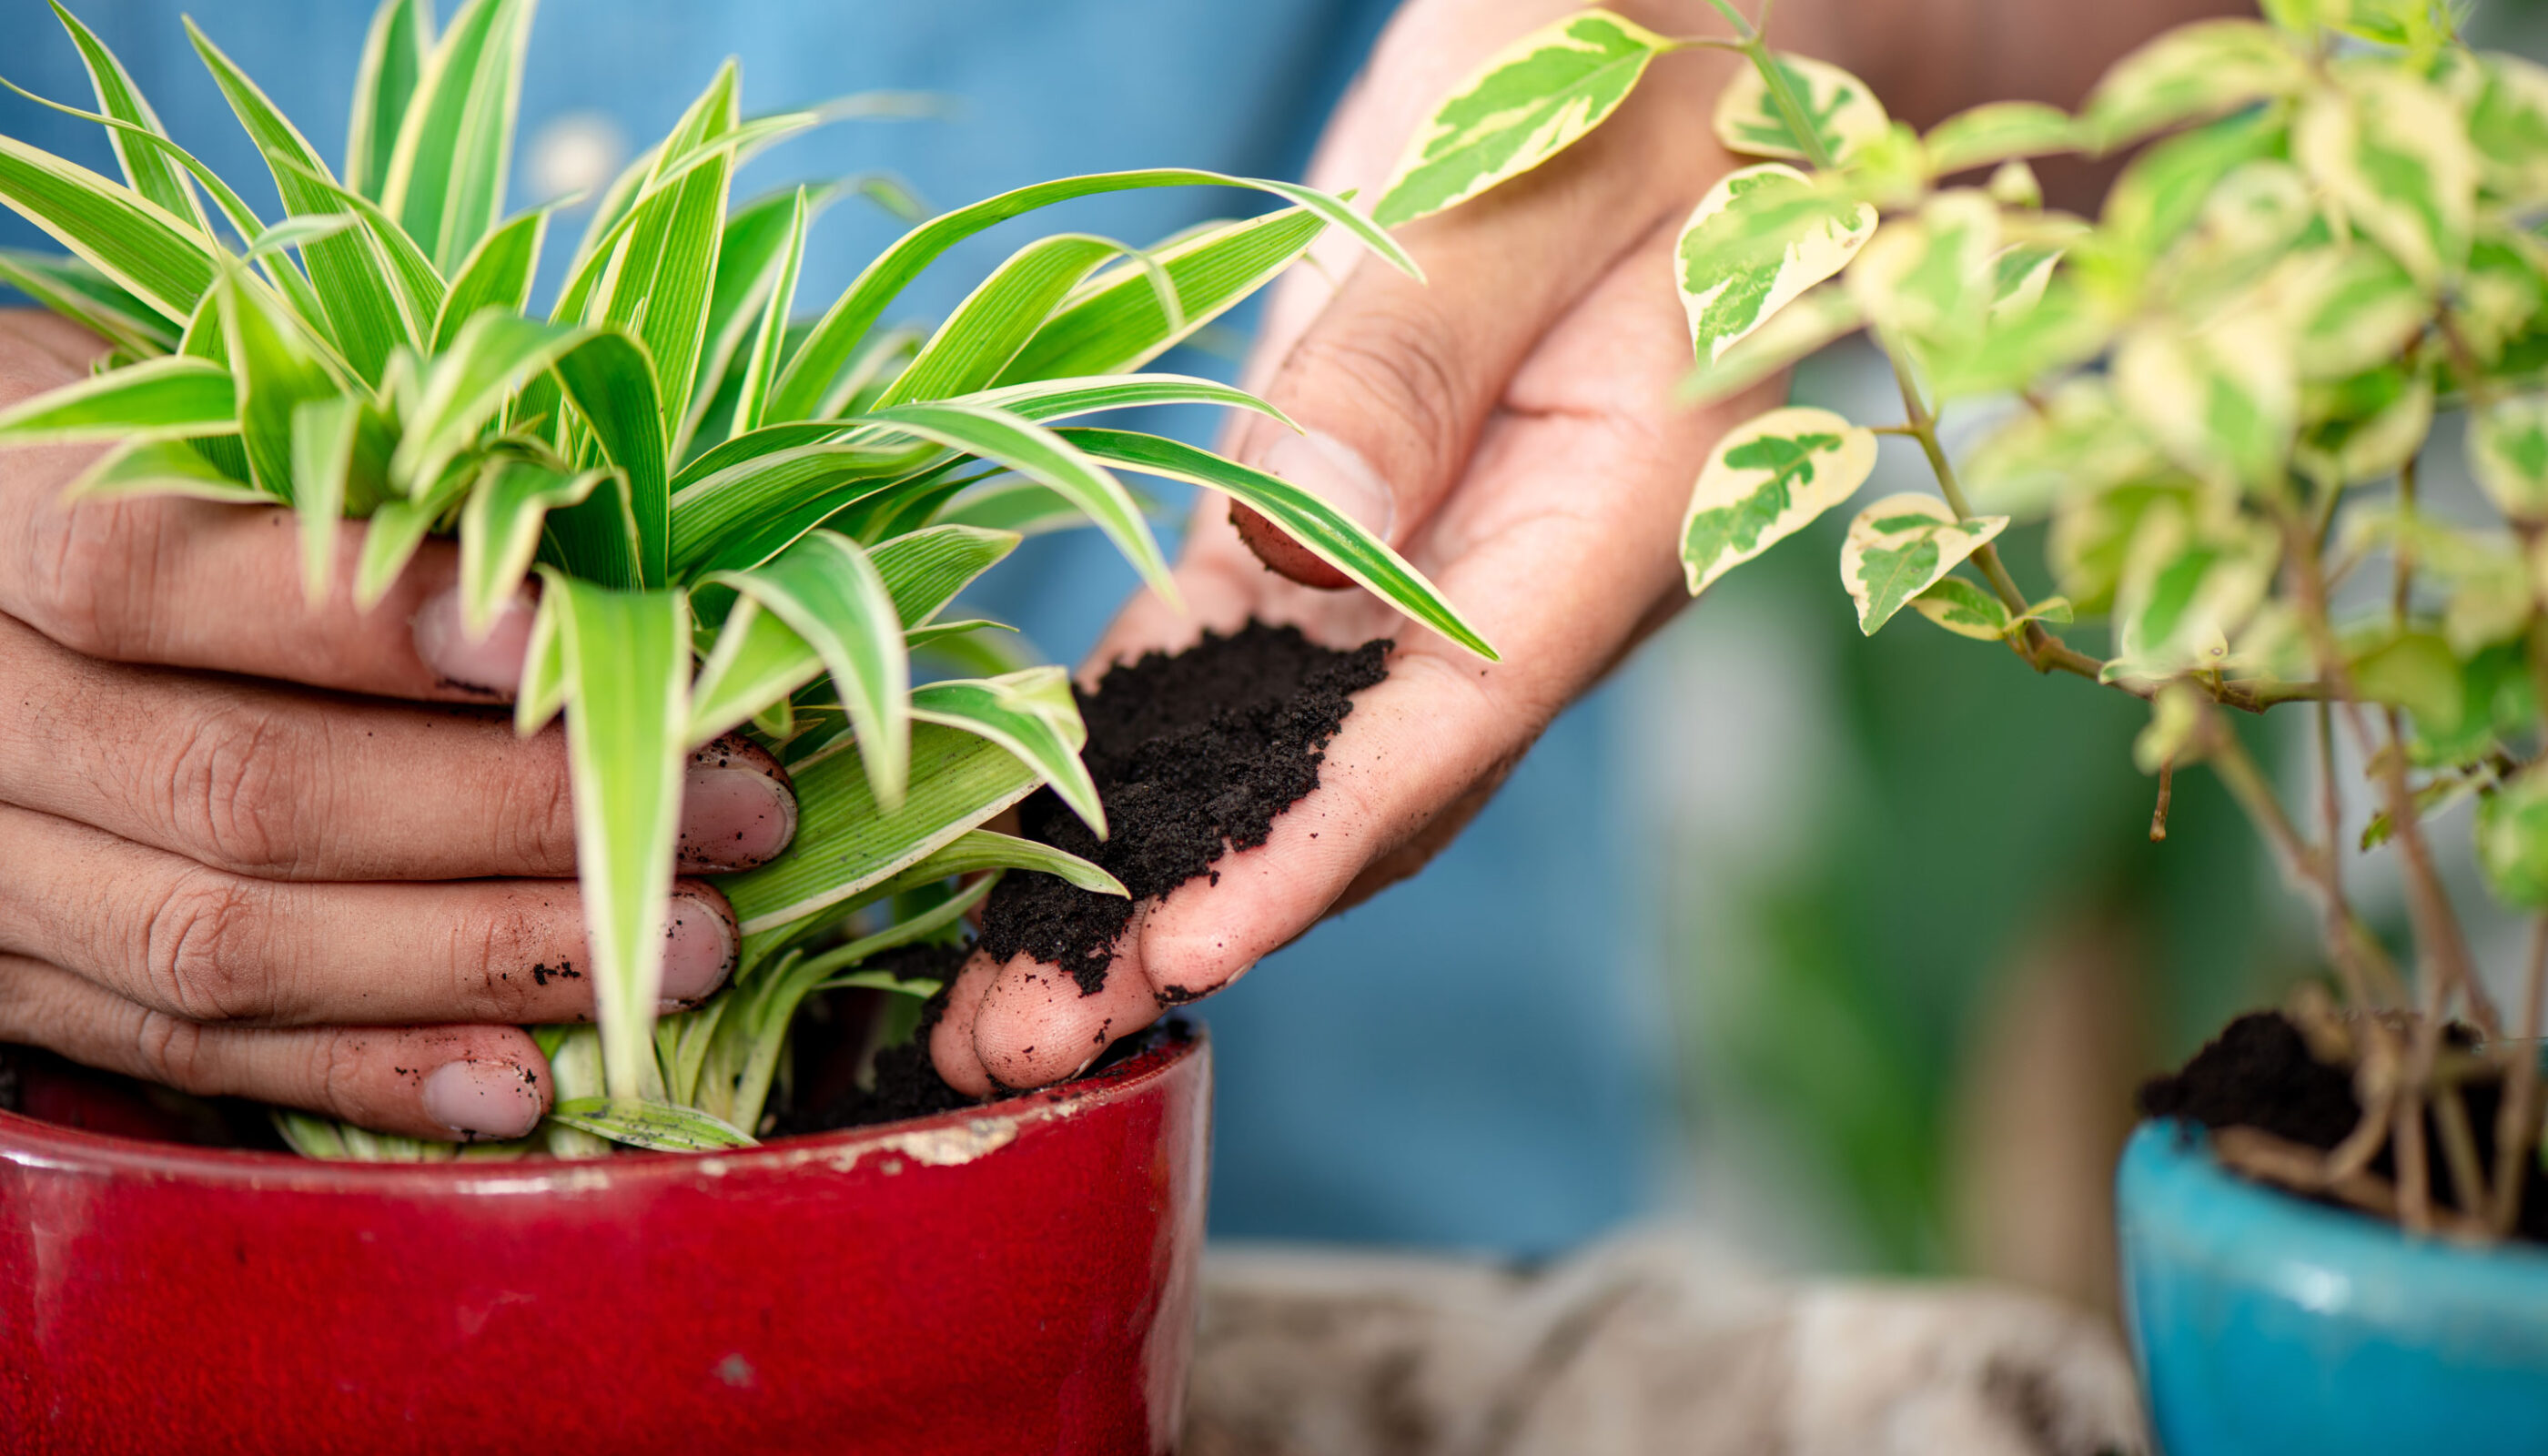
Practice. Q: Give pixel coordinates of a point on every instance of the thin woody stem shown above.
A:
(2517, 1122)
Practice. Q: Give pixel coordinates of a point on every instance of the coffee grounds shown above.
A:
(2259, 1074)
(1193, 755)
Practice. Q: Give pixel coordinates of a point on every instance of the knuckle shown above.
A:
(201, 956)
(336, 1076)
(1400, 358)
(234, 786)
(90, 578)
(494, 951)
(169, 1049)
(536, 810)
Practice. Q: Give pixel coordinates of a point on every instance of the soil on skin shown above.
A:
(1193, 755)
(2259, 1074)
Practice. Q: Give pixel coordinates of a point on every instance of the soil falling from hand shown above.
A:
(1194, 754)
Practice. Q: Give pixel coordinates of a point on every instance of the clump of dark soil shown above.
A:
(2259, 1074)
(905, 1083)
(1193, 755)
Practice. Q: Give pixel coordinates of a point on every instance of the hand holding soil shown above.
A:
(220, 872)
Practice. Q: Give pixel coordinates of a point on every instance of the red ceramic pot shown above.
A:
(1017, 1278)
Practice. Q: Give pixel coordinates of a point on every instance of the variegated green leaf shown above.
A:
(623, 535)
(468, 383)
(143, 249)
(499, 532)
(1033, 715)
(1320, 528)
(846, 843)
(663, 275)
(395, 52)
(2222, 403)
(1927, 283)
(496, 274)
(1818, 317)
(325, 432)
(1901, 547)
(77, 291)
(925, 569)
(2507, 126)
(1116, 322)
(1759, 237)
(997, 318)
(2358, 311)
(1839, 109)
(827, 592)
(2507, 452)
(2503, 294)
(1964, 608)
(626, 672)
(1529, 102)
(658, 1127)
(770, 338)
(2364, 429)
(146, 168)
(1768, 478)
(2394, 153)
(275, 370)
(723, 520)
(157, 400)
(2186, 590)
(162, 468)
(2194, 72)
(1998, 132)
(446, 177)
(2078, 443)
(758, 661)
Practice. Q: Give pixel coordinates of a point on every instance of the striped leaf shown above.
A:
(1760, 237)
(997, 318)
(2507, 124)
(828, 592)
(978, 849)
(494, 352)
(665, 270)
(496, 274)
(2507, 452)
(1901, 547)
(720, 521)
(2194, 72)
(624, 534)
(162, 468)
(275, 371)
(325, 432)
(762, 240)
(625, 675)
(1047, 400)
(1320, 530)
(1049, 460)
(1840, 112)
(500, 531)
(392, 535)
(658, 1127)
(140, 246)
(446, 177)
(807, 380)
(2222, 403)
(364, 316)
(156, 399)
(1116, 322)
(77, 291)
(770, 340)
(845, 842)
(2186, 589)
(395, 50)
(758, 661)
(1997, 132)
(146, 168)
(1531, 101)
(1767, 479)
(1033, 715)
(925, 569)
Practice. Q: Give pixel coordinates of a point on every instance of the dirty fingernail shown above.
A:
(737, 811)
(1335, 473)
(699, 949)
(490, 663)
(483, 1099)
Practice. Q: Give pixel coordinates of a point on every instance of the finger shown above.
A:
(451, 1084)
(950, 1041)
(1394, 379)
(286, 784)
(1033, 1025)
(214, 946)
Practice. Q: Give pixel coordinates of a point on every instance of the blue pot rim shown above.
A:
(2176, 1203)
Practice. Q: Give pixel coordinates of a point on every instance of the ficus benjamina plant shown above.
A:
(2217, 392)
(740, 514)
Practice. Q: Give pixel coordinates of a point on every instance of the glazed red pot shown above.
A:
(1009, 1279)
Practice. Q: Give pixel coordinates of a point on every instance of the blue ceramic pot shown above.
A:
(2266, 1324)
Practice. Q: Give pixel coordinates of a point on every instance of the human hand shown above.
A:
(222, 870)
(1508, 427)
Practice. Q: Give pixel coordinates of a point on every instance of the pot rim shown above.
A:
(940, 1140)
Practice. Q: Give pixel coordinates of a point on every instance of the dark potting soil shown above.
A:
(2259, 1074)
(1193, 755)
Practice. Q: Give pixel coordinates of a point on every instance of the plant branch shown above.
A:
(2516, 1122)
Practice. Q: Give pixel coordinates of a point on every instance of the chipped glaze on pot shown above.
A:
(2265, 1325)
(1016, 1278)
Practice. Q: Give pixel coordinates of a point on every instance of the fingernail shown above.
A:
(698, 950)
(483, 1099)
(1335, 473)
(737, 811)
(488, 664)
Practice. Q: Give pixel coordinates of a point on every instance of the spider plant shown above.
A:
(738, 519)
(2219, 394)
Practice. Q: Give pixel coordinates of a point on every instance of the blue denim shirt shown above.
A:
(1469, 1061)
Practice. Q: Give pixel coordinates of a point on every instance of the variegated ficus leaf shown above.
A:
(1901, 547)
(1531, 101)
(1927, 283)
(1760, 236)
(2190, 74)
(2391, 150)
(2507, 124)
(1998, 132)
(1839, 112)
(1767, 479)
(2222, 403)
(2078, 441)
(1820, 317)
(2188, 588)
(2508, 451)
(2364, 427)
(1964, 608)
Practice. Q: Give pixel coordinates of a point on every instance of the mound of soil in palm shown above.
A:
(1194, 754)
(2259, 1074)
